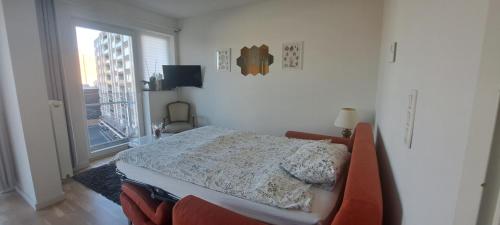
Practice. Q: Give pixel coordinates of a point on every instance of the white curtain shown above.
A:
(7, 173)
(50, 47)
(52, 61)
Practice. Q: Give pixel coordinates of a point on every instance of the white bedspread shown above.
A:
(237, 163)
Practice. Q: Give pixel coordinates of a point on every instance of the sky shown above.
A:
(85, 38)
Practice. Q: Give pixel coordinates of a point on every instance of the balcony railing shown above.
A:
(105, 129)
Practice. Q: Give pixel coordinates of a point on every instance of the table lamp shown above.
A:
(347, 119)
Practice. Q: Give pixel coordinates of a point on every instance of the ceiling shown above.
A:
(187, 8)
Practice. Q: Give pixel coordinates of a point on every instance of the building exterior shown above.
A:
(115, 82)
(92, 103)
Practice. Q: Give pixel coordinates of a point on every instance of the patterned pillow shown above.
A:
(317, 162)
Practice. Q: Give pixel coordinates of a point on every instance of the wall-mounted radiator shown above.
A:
(58, 117)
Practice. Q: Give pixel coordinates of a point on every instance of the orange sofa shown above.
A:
(360, 205)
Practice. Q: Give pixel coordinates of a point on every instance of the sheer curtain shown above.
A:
(7, 174)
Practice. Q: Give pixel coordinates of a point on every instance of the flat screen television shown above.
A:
(182, 76)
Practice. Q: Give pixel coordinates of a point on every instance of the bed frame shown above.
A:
(156, 193)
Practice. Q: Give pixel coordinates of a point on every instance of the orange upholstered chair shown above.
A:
(141, 209)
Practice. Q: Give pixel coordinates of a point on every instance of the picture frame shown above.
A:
(293, 55)
(223, 60)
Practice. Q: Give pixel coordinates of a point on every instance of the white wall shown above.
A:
(118, 13)
(480, 137)
(112, 14)
(25, 96)
(439, 55)
(155, 107)
(341, 48)
(8, 92)
(491, 189)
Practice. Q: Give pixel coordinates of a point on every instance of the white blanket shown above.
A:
(241, 164)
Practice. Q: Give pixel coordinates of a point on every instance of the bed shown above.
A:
(361, 201)
(323, 205)
(142, 166)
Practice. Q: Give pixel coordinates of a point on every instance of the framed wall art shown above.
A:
(293, 53)
(223, 60)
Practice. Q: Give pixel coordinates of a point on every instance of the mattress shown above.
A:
(323, 204)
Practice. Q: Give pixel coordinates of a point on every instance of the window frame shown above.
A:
(137, 48)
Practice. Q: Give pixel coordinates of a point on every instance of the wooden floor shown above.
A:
(81, 207)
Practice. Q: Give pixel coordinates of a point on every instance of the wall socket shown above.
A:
(410, 117)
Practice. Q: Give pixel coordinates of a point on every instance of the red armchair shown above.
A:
(141, 209)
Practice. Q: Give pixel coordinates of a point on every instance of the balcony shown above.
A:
(102, 135)
(105, 126)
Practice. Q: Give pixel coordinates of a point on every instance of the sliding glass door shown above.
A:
(109, 88)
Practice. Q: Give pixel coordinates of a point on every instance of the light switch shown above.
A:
(393, 52)
(410, 117)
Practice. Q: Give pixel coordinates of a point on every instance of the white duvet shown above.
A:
(237, 163)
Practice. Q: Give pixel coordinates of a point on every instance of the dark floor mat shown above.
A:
(103, 180)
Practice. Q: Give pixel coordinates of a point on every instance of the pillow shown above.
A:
(317, 162)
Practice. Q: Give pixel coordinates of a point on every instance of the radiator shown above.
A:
(58, 116)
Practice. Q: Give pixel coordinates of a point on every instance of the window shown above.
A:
(155, 53)
(118, 52)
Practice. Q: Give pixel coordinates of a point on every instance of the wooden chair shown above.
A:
(179, 117)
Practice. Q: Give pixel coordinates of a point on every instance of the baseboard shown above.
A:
(39, 205)
(26, 197)
(80, 166)
(50, 202)
(7, 191)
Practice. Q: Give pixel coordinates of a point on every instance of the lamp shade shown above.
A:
(347, 118)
